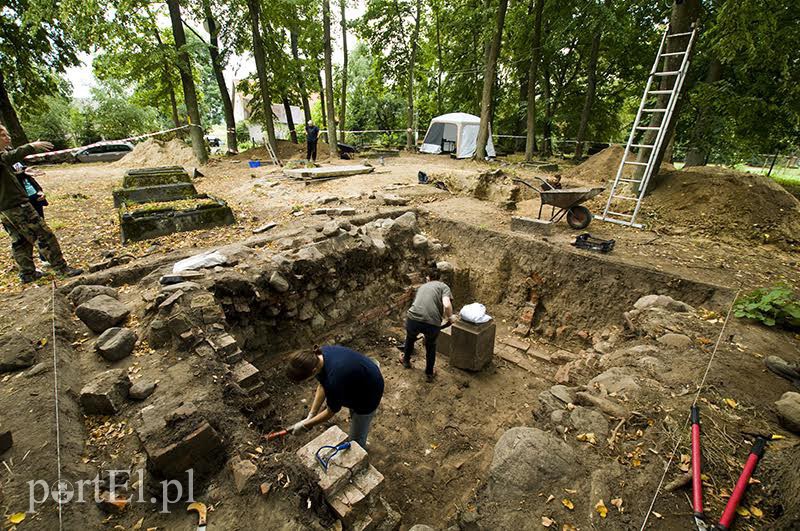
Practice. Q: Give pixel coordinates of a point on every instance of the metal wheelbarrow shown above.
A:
(566, 202)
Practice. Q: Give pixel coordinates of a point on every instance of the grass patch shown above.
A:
(56, 224)
(182, 204)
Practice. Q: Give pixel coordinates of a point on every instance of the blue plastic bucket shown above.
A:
(254, 163)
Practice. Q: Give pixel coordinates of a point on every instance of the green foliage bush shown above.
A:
(778, 305)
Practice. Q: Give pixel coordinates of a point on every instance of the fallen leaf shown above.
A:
(550, 498)
(601, 508)
(16, 518)
(547, 522)
(138, 525)
(568, 527)
(571, 491)
(567, 503)
(776, 437)
(755, 511)
(657, 515)
(587, 437)
(743, 512)
(617, 502)
(730, 402)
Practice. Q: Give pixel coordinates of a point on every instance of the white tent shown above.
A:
(457, 133)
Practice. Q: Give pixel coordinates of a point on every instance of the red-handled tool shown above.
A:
(728, 515)
(697, 480)
(756, 453)
(277, 435)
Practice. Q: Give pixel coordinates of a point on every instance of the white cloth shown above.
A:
(475, 313)
(199, 261)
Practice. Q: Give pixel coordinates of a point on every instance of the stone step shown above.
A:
(246, 374)
(351, 501)
(224, 344)
(342, 467)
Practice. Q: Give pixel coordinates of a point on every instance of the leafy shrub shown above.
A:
(777, 305)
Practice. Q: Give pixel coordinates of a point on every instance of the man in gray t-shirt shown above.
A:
(432, 308)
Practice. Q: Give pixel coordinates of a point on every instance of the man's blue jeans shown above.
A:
(359, 427)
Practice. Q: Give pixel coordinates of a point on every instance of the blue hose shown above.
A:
(325, 461)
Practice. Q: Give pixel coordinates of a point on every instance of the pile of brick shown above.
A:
(351, 484)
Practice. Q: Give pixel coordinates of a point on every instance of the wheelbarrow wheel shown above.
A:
(579, 217)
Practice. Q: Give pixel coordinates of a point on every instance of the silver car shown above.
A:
(107, 152)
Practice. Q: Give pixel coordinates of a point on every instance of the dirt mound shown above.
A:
(602, 167)
(727, 203)
(286, 151)
(152, 152)
(495, 185)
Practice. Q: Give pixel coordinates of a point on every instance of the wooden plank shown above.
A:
(328, 172)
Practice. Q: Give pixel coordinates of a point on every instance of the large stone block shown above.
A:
(160, 192)
(245, 374)
(472, 345)
(81, 294)
(146, 224)
(116, 343)
(16, 352)
(102, 312)
(201, 450)
(444, 343)
(342, 467)
(106, 393)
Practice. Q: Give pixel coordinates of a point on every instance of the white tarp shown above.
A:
(457, 133)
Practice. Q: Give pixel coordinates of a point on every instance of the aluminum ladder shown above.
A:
(272, 155)
(627, 192)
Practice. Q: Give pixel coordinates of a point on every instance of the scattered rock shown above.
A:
(586, 420)
(16, 352)
(116, 343)
(527, 460)
(444, 267)
(102, 312)
(265, 227)
(789, 411)
(563, 393)
(395, 200)
(662, 301)
(603, 404)
(105, 393)
(407, 221)
(6, 441)
(652, 365)
(678, 341)
(421, 527)
(559, 416)
(330, 229)
(141, 390)
(39, 368)
(615, 380)
(242, 470)
(81, 294)
(420, 242)
(278, 283)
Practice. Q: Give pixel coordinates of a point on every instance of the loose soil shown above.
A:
(152, 152)
(434, 442)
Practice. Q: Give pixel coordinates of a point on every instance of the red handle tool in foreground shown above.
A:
(756, 453)
(277, 435)
(697, 480)
(728, 515)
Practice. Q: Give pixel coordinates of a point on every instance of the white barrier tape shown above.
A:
(40, 156)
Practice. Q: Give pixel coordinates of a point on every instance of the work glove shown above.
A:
(298, 428)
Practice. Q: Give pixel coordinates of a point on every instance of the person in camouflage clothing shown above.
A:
(20, 219)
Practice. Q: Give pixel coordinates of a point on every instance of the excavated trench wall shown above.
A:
(563, 291)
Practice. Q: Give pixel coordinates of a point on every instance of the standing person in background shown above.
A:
(20, 219)
(35, 196)
(312, 136)
(431, 310)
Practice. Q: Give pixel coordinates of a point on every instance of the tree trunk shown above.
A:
(253, 7)
(698, 151)
(326, 27)
(173, 104)
(412, 65)
(547, 129)
(10, 118)
(187, 80)
(489, 77)
(533, 77)
(301, 83)
(216, 66)
(591, 87)
(438, 61)
(684, 13)
(287, 108)
(343, 106)
(322, 105)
